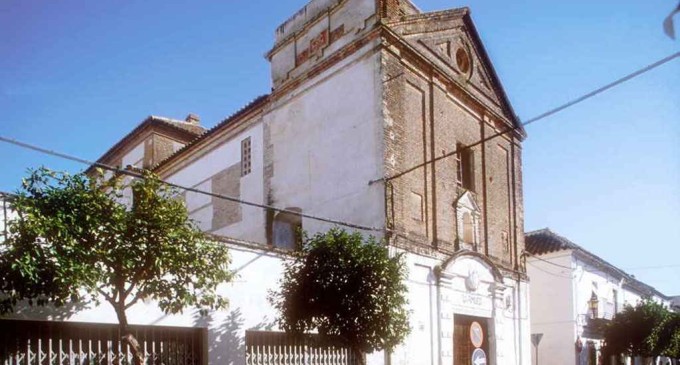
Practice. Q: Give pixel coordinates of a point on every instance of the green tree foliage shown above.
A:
(665, 338)
(81, 239)
(347, 287)
(647, 330)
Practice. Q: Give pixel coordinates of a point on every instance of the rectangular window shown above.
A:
(615, 295)
(246, 157)
(465, 173)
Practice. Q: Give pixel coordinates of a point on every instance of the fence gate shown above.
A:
(66, 343)
(278, 348)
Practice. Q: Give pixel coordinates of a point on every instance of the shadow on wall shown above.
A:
(226, 338)
(47, 312)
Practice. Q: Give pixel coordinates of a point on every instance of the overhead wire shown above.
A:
(527, 253)
(536, 118)
(652, 267)
(138, 175)
(557, 274)
(324, 219)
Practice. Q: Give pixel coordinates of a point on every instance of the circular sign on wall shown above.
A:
(476, 334)
(479, 357)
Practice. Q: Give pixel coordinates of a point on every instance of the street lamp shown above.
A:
(594, 304)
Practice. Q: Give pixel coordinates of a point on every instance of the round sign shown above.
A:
(476, 334)
(478, 357)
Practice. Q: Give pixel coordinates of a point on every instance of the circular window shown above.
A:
(463, 60)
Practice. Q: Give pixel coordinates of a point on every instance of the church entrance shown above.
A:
(470, 340)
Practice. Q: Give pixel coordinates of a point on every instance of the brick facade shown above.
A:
(430, 107)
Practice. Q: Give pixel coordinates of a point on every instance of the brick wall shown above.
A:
(424, 118)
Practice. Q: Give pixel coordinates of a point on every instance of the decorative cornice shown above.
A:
(394, 39)
(495, 271)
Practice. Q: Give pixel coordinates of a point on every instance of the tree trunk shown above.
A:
(127, 336)
(361, 356)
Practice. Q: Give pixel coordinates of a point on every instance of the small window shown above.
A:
(465, 167)
(468, 229)
(246, 157)
(287, 229)
(615, 295)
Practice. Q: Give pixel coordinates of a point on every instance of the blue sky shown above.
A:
(75, 76)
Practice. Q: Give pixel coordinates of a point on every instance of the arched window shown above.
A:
(287, 229)
(468, 228)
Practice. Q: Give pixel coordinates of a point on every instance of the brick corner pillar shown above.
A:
(390, 9)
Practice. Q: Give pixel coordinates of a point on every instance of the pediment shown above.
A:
(450, 41)
(467, 201)
(459, 56)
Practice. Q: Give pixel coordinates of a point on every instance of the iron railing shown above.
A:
(278, 348)
(66, 343)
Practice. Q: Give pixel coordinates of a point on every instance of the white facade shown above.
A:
(313, 148)
(563, 283)
(5, 215)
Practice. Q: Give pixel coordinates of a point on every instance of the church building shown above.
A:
(382, 116)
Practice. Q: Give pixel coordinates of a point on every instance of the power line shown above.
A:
(328, 220)
(190, 189)
(652, 267)
(548, 262)
(550, 273)
(537, 118)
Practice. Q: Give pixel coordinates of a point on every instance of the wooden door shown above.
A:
(462, 343)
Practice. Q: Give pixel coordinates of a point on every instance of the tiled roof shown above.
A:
(545, 241)
(227, 121)
(190, 130)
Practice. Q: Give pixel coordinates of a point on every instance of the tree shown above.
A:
(665, 338)
(639, 331)
(81, 239)
(347, 287)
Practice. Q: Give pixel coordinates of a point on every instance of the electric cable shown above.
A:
(537, 118)
(546, 261)
(130, 173)
(328, 220)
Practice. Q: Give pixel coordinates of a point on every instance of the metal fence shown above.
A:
(277, 348)
(65, 343)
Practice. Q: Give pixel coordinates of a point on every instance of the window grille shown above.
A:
(246, 157)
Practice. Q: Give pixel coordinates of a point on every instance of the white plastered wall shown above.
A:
(199, 174)
(560, 303)
(326, 143)
(257, 273)
(434, 304)
(552, 308)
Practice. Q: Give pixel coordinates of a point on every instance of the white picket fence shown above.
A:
(62, 343)
(277, 348)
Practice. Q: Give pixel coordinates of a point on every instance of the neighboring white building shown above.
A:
(574, 292)
(5, 214)
(362, 91)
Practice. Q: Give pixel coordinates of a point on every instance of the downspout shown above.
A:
(437, 276)
(433, 171)
(515, 253)
(519, 319)
(484, 191)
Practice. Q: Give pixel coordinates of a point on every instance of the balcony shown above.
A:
(593, 327)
